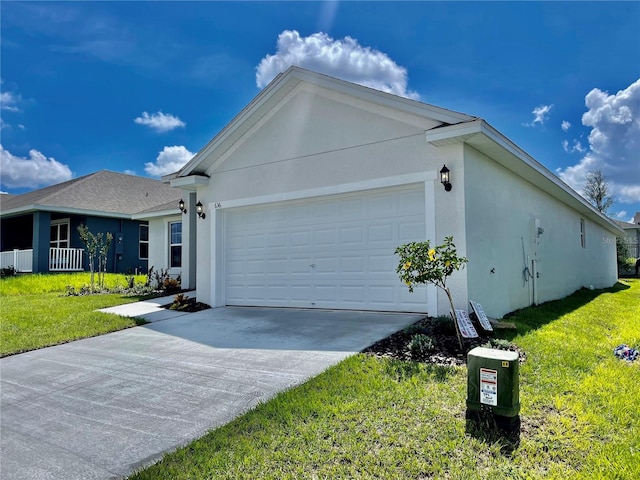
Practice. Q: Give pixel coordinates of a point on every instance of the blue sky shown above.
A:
(139, 87)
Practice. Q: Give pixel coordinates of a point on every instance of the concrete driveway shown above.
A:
(103, 407)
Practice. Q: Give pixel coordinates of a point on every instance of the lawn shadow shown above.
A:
(493, 429)
(537, 316)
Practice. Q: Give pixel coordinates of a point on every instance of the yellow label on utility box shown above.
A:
(505, 364)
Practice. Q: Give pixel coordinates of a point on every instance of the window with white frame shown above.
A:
(143, 246)
(59, 233)
(583, 241)
(175, 244)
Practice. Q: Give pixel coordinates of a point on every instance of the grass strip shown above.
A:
(36, 313)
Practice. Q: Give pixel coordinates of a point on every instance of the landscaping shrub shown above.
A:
(420, 345)
(413, 329)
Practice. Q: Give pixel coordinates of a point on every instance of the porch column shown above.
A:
(189, 223)
(41, 241)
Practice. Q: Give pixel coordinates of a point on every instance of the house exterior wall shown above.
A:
(631, 241)
(123, 256)
(502, 214)
(33, 231)
(322, 143)
(159, 243)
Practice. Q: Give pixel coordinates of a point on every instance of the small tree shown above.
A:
(421, 264)
(103, 252)
(95, 245)
(596, 190)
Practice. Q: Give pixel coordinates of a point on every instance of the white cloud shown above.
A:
(575, 147)
(621, 214)
(614, 143)
(161, 122)
(32, 172)
(170, 160)
(9, 101)
(540, 115)
(344, 58)
(565, 125)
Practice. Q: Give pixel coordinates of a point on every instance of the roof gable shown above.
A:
(288, 85)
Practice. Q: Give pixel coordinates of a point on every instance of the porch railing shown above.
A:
(66, 259)
(20, 260)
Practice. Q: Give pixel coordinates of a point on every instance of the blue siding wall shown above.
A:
(123, 254)
(33, 231)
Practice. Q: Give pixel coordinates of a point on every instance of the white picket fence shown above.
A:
(65, 259)
(60, 260)
(20, 260)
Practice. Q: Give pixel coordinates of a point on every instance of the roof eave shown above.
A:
(158, 214)
(191, 182)
(477, 132)
(68, 210)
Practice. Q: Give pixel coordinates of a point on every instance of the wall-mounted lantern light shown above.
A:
(444, 178)
(200, 210)
(181, 206)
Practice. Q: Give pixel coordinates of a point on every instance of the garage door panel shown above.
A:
(278, 266)
(351, 264)
(325, 237)
(351, 235)
(382, 295)
(381, 263)
(332, 252)
(299, 266)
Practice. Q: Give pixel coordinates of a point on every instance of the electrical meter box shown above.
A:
(492, 381)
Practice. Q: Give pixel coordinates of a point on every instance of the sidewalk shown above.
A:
(151, 310)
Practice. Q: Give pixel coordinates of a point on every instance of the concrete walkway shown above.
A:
(102, 407)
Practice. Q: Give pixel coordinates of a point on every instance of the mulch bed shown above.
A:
(187, 304)
(446, 349)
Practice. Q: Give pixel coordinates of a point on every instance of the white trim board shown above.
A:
(373, 184)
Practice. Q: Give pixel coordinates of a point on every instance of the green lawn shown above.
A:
(35, 312)
(374, 418)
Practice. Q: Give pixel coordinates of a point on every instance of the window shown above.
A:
(175, 244)
(143, 247)
(59, 234)
(583, 242)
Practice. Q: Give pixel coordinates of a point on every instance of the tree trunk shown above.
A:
(453, 316)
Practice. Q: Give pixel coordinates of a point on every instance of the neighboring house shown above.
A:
(39, 229)
(631, 237)
(310, 188)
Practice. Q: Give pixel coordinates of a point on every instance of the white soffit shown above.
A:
(192, 182)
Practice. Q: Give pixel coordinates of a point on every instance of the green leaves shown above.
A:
(421, 264)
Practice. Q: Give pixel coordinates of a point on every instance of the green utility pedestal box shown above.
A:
(492, 381)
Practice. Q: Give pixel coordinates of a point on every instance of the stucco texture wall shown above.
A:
(502, 241)
(315, 139)
(159, 242)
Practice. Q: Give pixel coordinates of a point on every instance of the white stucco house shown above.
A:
(309, 189)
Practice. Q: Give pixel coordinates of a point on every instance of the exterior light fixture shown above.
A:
(444, 178)
(181, 206)
(200, 210)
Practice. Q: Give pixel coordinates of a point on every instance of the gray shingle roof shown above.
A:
(103, 191)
